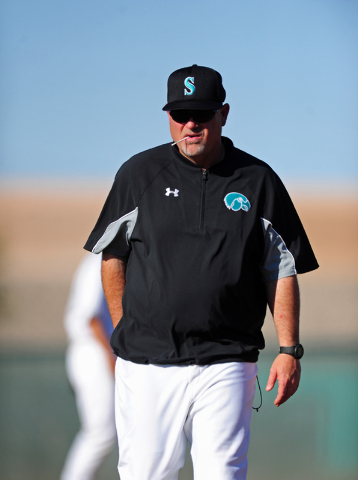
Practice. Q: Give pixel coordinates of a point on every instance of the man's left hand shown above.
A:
(287, 370)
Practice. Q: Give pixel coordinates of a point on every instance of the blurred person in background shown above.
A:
(90, 369)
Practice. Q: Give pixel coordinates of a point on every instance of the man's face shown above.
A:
(204, 139)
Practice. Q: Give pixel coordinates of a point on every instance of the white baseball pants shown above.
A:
(92, 380)
(160, 408)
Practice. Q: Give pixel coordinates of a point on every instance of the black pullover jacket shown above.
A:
(200, 244)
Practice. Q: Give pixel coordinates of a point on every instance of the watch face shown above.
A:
(299, 351)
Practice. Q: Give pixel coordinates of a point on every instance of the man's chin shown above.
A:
(193, 150)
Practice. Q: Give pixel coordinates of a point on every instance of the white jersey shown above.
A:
(85, 299)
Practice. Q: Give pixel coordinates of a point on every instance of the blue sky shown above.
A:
(83, 81)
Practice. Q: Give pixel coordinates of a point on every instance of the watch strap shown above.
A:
(295, 350)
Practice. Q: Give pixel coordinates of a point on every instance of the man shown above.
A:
(197, 237)
(90, 367)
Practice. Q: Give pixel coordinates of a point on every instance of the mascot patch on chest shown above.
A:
(236, 201)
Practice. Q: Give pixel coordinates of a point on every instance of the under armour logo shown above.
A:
(174, 192)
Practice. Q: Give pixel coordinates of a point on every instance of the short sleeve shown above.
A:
(287, 250)
(114, 227)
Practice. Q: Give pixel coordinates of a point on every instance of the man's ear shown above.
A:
(224, 112)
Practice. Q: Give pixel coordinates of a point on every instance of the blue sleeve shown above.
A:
(105, 317)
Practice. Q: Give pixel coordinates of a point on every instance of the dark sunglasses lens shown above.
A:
(180, 116)
(203, 116)
(200, 116)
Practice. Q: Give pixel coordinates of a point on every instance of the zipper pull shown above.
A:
(205, 175)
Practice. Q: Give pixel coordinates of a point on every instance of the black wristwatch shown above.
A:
(296, 351)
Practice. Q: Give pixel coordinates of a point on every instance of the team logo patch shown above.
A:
(174, 192)
(236, 201)
(189, 86)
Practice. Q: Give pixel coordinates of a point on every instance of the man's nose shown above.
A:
(191, 123)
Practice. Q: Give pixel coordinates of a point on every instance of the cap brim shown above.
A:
(192, 105)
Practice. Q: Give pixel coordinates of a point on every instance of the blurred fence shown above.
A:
(314, 435)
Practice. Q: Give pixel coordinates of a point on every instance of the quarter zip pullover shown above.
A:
(200, 245)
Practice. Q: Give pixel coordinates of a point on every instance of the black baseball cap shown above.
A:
(195, 88)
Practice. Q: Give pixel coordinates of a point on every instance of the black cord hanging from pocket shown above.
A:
(258, 383)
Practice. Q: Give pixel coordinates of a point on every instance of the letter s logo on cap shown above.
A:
(189, 84)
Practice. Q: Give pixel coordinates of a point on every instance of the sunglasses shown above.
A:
(199, 116)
